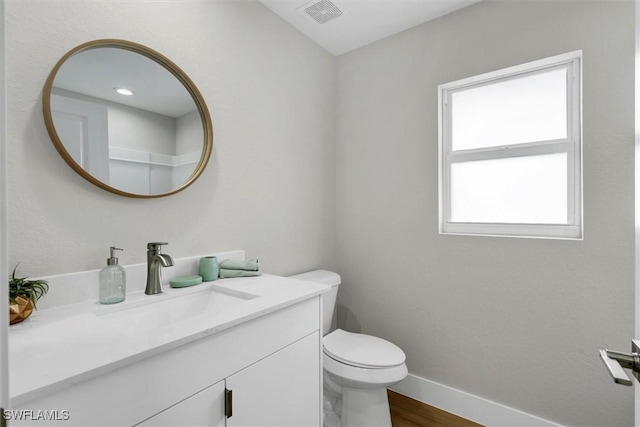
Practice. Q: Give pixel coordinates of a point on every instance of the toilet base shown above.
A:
(365, 408)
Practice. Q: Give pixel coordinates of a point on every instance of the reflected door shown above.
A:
(79, 122)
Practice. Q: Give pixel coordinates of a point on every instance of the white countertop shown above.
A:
(64, 345)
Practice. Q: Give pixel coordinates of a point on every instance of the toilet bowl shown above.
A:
(358, 368)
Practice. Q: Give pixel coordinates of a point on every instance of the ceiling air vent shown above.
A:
(323, 11)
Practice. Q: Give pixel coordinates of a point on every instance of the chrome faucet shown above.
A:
(156, 260)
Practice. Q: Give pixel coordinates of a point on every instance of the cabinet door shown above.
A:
(280, 390)
(205, 408)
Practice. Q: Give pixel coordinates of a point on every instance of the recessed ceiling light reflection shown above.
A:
(123, 91)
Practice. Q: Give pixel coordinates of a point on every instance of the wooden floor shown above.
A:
(407, 412)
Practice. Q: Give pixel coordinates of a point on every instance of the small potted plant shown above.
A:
(23, 296)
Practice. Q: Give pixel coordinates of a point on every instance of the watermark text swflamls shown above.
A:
(36, 415)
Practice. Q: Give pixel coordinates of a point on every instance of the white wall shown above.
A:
(4, 308)
(132, 128)
(188, 133)
(269, 187)
(136, 129)
(516, 321)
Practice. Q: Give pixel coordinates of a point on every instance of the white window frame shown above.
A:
(572, 145)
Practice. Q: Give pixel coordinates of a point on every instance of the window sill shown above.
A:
(535, 231)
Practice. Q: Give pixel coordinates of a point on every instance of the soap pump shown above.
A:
(113, 281)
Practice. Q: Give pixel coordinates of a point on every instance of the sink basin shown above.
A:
(155, 312)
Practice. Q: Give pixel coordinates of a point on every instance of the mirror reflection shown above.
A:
(127, 119)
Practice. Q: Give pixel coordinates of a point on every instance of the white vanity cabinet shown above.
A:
(279, 390)
(270, 362)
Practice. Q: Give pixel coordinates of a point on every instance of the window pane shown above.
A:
(523, 109)
(516, 190)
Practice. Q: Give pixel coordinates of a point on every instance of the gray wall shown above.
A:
(517, 321)
(270, 185)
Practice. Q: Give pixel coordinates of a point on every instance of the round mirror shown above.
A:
(127, 119)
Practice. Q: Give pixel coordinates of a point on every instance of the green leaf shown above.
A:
(32, 289)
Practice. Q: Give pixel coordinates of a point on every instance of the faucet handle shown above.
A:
(155, 246)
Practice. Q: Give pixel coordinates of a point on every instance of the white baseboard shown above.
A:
(466, 405)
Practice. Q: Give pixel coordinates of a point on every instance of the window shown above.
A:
(510, 151)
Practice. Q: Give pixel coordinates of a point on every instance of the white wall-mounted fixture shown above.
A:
(321, 11)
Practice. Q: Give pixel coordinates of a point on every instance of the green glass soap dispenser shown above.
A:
(113, 281)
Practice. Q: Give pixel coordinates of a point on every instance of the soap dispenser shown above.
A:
(112, 280)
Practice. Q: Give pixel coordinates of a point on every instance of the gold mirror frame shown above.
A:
(162, 61)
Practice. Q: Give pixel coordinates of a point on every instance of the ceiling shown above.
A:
(97, 72)
(350, 24)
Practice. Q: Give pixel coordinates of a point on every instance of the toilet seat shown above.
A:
(362, 378)
(362, 351)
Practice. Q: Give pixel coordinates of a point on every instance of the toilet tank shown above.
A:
(329, 278)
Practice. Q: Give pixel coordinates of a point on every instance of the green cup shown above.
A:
(208, 268)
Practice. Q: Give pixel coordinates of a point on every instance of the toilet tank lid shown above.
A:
(319, 276)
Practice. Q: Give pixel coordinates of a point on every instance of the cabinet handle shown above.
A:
(228, 403)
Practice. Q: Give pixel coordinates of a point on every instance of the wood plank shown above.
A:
(407, 412)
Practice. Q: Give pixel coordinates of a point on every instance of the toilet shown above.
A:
(358, 368)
